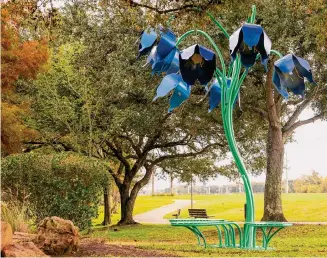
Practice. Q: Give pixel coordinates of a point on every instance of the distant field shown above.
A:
(297, 207)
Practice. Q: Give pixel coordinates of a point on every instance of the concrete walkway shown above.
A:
(156, 216)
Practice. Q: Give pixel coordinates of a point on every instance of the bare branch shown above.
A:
(183, 141)
(119, 155)
(290, 129)
(188, 7)
(185, 155)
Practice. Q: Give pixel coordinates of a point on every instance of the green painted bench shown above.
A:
(268, 229)
(228, 229)
(224, 228)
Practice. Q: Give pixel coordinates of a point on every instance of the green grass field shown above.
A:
(297, 207)
(299, 240)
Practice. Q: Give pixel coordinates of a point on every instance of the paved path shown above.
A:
(156, 216)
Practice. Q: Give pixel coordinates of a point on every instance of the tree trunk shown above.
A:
(273, 210)
(171, 185)
(275, 156)
(107, 208)
(127, 205)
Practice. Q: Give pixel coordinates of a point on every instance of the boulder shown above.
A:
(6, 234)
(25, 249)
(57, 236)
(22, 245)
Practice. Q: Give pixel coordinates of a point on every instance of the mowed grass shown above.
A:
(298, 240)
(297, 207)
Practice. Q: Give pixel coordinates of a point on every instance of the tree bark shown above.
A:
(126, 205)
(273, 210)
(107, 208)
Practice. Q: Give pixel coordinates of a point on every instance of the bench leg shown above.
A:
(198, 234)
(219, 235)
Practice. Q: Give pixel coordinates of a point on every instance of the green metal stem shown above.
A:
(229, 95)
(221, 58)
(277, 53)
(171, 18)
(254, 12)
(218, 24)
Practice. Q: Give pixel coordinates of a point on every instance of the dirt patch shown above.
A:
(93, 247)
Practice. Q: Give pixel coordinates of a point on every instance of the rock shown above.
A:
(6, 234)
(25, 249)
(22, 245)
(57, 236)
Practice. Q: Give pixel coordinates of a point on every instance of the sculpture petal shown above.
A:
(166, 44)
(162, 65)
(147, 41)
(214, 95)
(188, 52)
(181, 93)
(251, 34)
(174, 65)
(234, 42)
(168, 83)
(285, 64)
(276, 80)
(303, 67)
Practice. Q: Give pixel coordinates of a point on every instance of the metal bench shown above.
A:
(198, 213)
(228, 229)
(223, 227)
(267, 229)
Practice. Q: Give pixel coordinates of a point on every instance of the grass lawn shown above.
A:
(297, 207)
(299, 240)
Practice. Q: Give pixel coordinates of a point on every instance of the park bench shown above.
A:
(228, 229)
(176, 215)
(198, 213)
(268, 228)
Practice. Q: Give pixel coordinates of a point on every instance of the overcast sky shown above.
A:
(308, 152)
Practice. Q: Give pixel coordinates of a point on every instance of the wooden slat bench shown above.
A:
(198, 213)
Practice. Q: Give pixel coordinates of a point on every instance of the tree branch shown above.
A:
(291, 128)
(190, 7)
(183, 141)
(185, 155)
(119, 155)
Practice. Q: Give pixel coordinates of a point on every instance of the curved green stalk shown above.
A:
(218, 24)
(277, 53)
(171, 18)
(221, 58)
(254, 12)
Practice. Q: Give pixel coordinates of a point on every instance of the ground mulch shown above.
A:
(93, 247)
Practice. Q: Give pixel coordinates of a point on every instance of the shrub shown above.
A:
(17, 215)
(65, 185)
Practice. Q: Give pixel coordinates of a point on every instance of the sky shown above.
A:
(308, 152)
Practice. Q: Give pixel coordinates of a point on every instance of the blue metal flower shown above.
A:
(197, 63)
(163, 56)
(250, 40)
(289, 73)
(170, 82)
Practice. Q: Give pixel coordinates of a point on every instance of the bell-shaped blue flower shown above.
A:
(249, 40)
(163, 56)
(289, 73)
(197, 63)
(182, 91)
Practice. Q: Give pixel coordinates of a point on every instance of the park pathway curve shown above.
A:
(155, 216)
